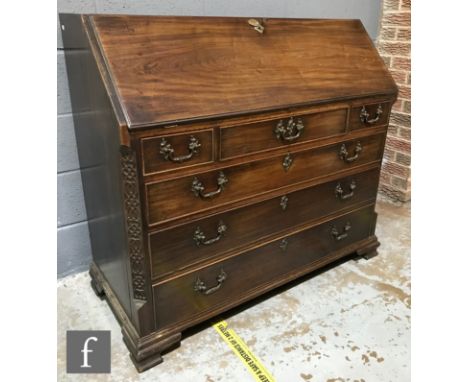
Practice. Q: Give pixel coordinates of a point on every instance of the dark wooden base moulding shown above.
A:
(145, 352)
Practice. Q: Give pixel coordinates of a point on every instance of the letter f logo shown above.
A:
(85, 351)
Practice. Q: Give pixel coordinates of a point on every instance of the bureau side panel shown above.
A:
(98, 141)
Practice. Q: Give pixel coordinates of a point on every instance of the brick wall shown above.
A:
(394, 45)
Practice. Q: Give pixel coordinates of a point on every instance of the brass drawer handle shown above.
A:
(291, 131)
(343, 235)
(167, 151)
(365, 115)
(198, 188)
(200, 237)
(200, 286)
(339, 192)
(344, 155)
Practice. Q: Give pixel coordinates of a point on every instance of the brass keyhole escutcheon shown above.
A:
(287, 162)
(257, 25)
(284, 202)
(284, 244)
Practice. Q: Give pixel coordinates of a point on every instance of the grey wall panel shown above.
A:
(74, 249)
(67, 155)
(70, 201)
(63, 93)
(245, 8)
(74, 253)
(148, 7)
(77, 6)
(59, 36)
(366, 10)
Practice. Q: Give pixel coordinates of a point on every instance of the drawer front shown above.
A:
(184, 196)
(171, 152)
(226, 281)
(369, 115)
(260, 136)
(182, 246)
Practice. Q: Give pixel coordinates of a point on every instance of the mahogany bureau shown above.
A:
(221, 158)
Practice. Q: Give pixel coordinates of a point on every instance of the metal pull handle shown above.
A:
(343, 235)
(344, 155)
(365, 115)
(200, 237)
(291, 131)
(167, 151)
(200, 286)
(198, 188)
(339, 192)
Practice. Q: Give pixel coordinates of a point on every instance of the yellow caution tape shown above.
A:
(238, 346)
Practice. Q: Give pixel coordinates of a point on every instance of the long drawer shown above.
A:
(182, 246)
(227, 280)
(184, 196)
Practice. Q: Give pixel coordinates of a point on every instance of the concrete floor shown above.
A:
(350, 323)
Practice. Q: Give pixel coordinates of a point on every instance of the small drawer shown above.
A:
(229, 280)
(369, 115)
(171, 199)
(259, 136)
(179, 247)
(175, 151)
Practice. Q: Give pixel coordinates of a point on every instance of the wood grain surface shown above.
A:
(175, 248)
(168, 69)
(173, 199)
(177, 300)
